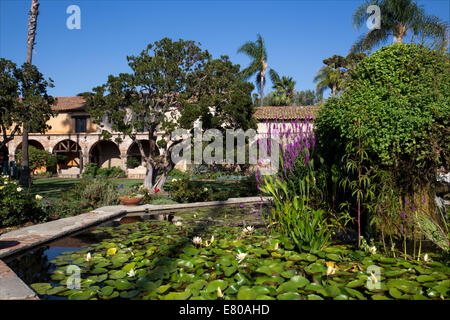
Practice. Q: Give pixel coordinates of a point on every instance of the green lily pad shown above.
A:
(246, 293)
(289, 296)
(41, 288)
(214, 285)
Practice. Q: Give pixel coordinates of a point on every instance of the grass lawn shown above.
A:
(53, 187)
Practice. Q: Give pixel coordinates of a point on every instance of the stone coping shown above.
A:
(20, 240)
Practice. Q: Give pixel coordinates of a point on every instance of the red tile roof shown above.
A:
(69, 104)
(261, 113)
(286, 112)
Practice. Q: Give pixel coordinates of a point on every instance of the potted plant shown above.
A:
(131, 196)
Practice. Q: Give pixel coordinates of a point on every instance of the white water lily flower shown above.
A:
(373, 250)
(131, 273)
(426, 258)
(276, 246)
(212, 239)
(248, 229)
(331, 269)
(178, 223)
(19, 189)
(241, 256)
(219, 292)
(197, 240)
(38, 197)
(88, 257)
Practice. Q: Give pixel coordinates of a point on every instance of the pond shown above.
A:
(218, 253)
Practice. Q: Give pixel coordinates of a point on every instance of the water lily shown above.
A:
(240, 257)
(197, 240)
(219, 292)
(88, 257)
(38, 197)
(212, 239)
(248, 229)
(373, 250)
(178, 223)
(111, 251)
(331, 268)
(131, 273)
(19, 189)
(426, 258)
(276, 246)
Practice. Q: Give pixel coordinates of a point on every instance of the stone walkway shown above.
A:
(21, 240)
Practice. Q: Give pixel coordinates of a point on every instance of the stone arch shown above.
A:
(105, 154)
(134, 153)
(31, 142)
(69, 154)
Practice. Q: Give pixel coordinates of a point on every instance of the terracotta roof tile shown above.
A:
(286, 112)
(69, 103)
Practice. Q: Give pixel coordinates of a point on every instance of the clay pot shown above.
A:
(130, 202)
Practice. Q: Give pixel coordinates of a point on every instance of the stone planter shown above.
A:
(130, 202)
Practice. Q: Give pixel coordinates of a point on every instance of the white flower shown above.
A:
(205, 189)
(195, 216)
(331, 269)
(173, 180)
(373, 250)
(38, 197)
(88, 257)
(240, 257)
(197, 240)
(131, 273)
(248, 229)
(276, 246)
(178, 223)
(212, 239)
(19, 189)
(426, 258)
(219, 292)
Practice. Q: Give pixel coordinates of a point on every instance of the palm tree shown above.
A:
(397, 18)
(329, 78)
(32, 25)
(284, 86)
(257, 52)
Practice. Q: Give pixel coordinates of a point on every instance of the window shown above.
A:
(80, 124)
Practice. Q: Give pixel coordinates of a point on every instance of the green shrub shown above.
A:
(93, 171)
(38, 158)
(17, 204)
(94, 193)
(390, 127)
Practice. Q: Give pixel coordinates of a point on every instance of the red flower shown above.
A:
(156, 190)
(80, 204)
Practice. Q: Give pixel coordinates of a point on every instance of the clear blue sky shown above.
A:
(299, 34)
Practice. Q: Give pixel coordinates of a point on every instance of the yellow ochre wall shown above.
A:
(64, 123)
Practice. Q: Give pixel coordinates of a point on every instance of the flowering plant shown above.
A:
(17, 204)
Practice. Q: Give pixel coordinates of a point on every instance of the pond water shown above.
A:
(35, 266)
(210, 253)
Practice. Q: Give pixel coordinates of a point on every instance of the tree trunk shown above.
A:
(24, 163)
(333, 90)
(399, 32)
(150, 177)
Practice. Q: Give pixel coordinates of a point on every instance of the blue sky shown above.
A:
(299, 34)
